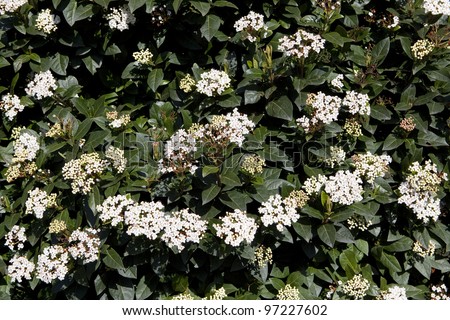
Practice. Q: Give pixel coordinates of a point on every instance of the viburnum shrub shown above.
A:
(210, 149)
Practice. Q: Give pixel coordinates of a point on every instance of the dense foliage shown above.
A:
(207, 148)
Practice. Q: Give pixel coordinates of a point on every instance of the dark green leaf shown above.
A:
(281, 108)
(135, 4)
(202, 7)
(155, 79)
(336, 38)
(59, 64)
(113, 259)
(211, 26)
(327, 233)
(390, 262)
(210, 193)
(380, 51)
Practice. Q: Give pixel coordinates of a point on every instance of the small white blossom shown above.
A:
(419, 191)
(356, 287)
(236, 228)
(19, 268)
(300, 44)
(183, 227)
(439, 293)
(116, 121)
(357, 102)
(11, 106)
(42, 85)
(46, 21)
(371, 166)
(250, 25)
(116, 156)
(84, 245)
(39, 201)
(336, 157)
(288, 293)
(437, 7)
(218, 294)
(313, 184)
(421, 48)
(52, 264)
(213, 82)
(15, 238)
(263, 256)
(120, 18)
(422, 251)
(393, 293)
(112, 209)
(9, 6)
(145, 218)
(26, 147)
(337, 81)
(344, 187)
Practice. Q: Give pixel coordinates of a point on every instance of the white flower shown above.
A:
(11, 106)
(337, 81)
(344, 187)
(437, 7)
(418, 192)
(39, 201)
(83, 172)
(26, 147)
(300, 44)
(357, 102)
(9, 6)
(282, 212)
(145, 218)
(84, 245)
(421, 48)
(46, 21)
(218, 294)
(230, 128)
(263, 256)
(371, 166)
(116, 156)
(183, 227)
(52, 264)
(393, 293)
(337, 156)
(439, 292)
(423, 252)
(236, 228)
(288, 293)
(120, 18)
(42, 85)
(313, 184)
(395, 22)
(112, 210)
(213, 82)
(250, 24)
(356, 287)
(143, 57)
(15, 237)
(19, 268)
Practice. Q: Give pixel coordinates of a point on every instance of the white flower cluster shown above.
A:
(324, 110)
(112, 209)
(9, 6)
(26, 147)
(344, 187)
(423, 252)
(117, 159)
(337, 81)
(236, 228)
(116, 121)
(282, 212)
(83, 172)
(421, 48)
(393, 293)
(11, 106)
(313, 184)
(183, 227)
(394, 22)
(250, 24)
(419, 190)
(143, 57)
(19, 268)
(300, 44)
(15, 237)
(52, 264)
(179, 153)
(439, 293)
(288, 293)
(42, 85)
(336, 157)
(46, 21)
(252, 164)
(437, 7)
(57, 226)
(358, 222)
(183, 296)
(120, 18)
(371, 166)
(218, 294)
(39, 201)
(263, 256)
(357, 102)
(145, 218)
(356, 287)
(213, 82)
(229, 128)
(84, 245)
(187, 84)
